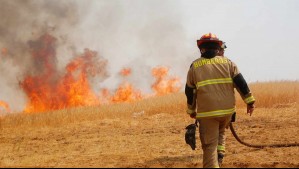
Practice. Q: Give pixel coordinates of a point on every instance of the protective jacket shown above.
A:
(210, 87)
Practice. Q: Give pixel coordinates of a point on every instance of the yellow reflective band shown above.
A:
(214, 81)
(212, 61)
(221, 148)
(249, 100)
(215, 113)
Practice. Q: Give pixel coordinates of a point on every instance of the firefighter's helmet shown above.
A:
(208, 38)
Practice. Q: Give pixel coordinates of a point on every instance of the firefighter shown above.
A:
(210, 95)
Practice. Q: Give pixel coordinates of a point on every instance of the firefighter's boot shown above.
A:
(220, 159)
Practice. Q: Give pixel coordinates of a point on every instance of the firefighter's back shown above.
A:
(215, 89)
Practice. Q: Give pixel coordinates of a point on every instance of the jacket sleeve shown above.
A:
(190, 92)
(241, 85)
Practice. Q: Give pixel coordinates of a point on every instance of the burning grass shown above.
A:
(48, 89)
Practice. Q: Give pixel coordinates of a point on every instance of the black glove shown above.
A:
(190, 135)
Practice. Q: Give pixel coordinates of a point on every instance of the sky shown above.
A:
(261, 36)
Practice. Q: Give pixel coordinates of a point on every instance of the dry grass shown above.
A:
(149, 133)
(274, 94)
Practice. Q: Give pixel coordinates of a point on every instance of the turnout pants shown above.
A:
(212, 136)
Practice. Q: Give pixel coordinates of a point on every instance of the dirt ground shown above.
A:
(143, 140)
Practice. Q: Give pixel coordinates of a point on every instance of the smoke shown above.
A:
(22, 21)
(139, 34)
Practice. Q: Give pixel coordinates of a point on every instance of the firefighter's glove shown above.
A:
(190, 136)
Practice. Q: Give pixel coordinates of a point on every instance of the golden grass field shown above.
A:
(150, 133)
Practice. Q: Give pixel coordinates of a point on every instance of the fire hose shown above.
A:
(260, 146)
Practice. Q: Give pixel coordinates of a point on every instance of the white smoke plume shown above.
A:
(139, 34)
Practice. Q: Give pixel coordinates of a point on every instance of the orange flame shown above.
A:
(49, 90)
(5, 106)
(164, 84)
(126, 93)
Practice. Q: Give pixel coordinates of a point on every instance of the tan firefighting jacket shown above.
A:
(213, 82)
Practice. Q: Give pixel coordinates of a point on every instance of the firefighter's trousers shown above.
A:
(212, 136)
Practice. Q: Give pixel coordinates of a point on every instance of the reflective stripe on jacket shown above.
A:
(213, 80)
